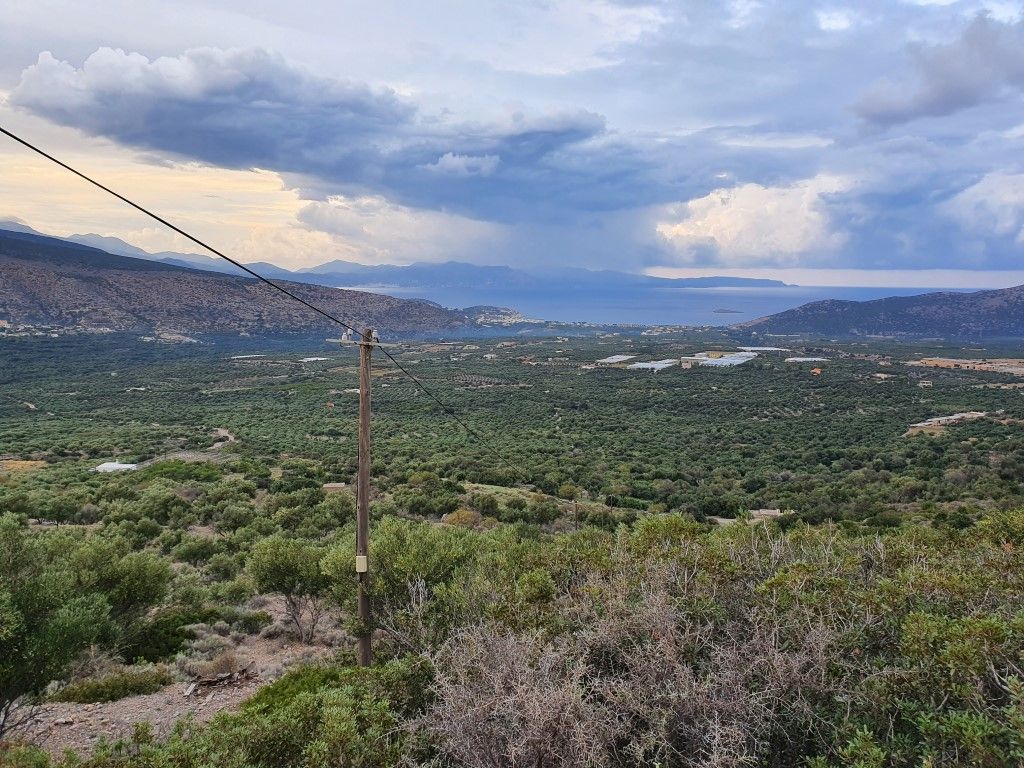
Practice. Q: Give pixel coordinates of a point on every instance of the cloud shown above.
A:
(248, 108)
(235, 107)
(463, 165)
(983, 64)
(371, 229)
(742, 12)
(592, 133)
(834, 19)
(994, 206)
(754, 224)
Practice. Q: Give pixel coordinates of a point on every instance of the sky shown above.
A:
(870, 143)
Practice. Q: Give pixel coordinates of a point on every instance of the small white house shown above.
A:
(115, 466)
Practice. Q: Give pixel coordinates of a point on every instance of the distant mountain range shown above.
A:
(49, 281)
(424, 277)
(977, 315)
(95, 281)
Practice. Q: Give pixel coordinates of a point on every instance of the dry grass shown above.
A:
(933, 430)
(20, 465)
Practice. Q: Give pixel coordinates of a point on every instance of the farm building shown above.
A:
(115, 466)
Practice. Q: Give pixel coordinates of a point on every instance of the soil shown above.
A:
(79, 727)
(61, 726)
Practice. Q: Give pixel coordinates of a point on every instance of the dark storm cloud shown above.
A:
(983, 64)
(242, 107)
(251, 108)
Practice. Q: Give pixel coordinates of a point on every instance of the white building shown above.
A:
(115, 466)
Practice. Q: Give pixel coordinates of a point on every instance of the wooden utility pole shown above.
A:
(367, 341)
(363, 499)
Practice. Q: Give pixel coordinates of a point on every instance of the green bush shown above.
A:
(163, 634)
(249, 622)
(115, 686)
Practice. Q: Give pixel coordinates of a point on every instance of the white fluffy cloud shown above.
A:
(755, 224)
(993, 206)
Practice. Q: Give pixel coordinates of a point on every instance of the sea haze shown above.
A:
(641, 305)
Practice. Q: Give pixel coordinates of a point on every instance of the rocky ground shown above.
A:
(260, 659)
(79, 727)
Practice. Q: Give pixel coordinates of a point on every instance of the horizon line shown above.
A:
(815, 277)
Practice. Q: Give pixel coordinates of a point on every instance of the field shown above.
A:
(823, 556)
(706, 441)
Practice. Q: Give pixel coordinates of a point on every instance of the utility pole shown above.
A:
(363, 498)
(368, 339)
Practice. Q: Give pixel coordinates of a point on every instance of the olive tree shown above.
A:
(291, 568)
(59, 594)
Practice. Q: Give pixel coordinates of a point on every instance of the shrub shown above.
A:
(464, 518)
(249, 622)
(164, 633)
(118, 685)
(59, 595)
(292, 569)
(485, 503)
(516, 503)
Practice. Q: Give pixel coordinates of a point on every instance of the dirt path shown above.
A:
(79, 727)
(224, 437)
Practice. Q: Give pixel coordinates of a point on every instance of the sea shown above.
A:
(646, 306)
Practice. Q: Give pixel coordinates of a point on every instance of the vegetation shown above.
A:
(975, 315)
(596, 612)
(115, 686)
(59, 594)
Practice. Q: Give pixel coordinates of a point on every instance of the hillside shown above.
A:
(981, 314)
(49, 281)
(422, 276)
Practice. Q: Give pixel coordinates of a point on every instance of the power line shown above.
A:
(320, 311)
(168, 224)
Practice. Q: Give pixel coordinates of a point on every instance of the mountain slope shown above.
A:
(119, 247)
(50, 281)
(981, 314)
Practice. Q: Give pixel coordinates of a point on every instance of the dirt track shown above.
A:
(79, 727)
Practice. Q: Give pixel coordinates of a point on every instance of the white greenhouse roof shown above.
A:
(726, 361)
(654, 365)
(115, 466)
